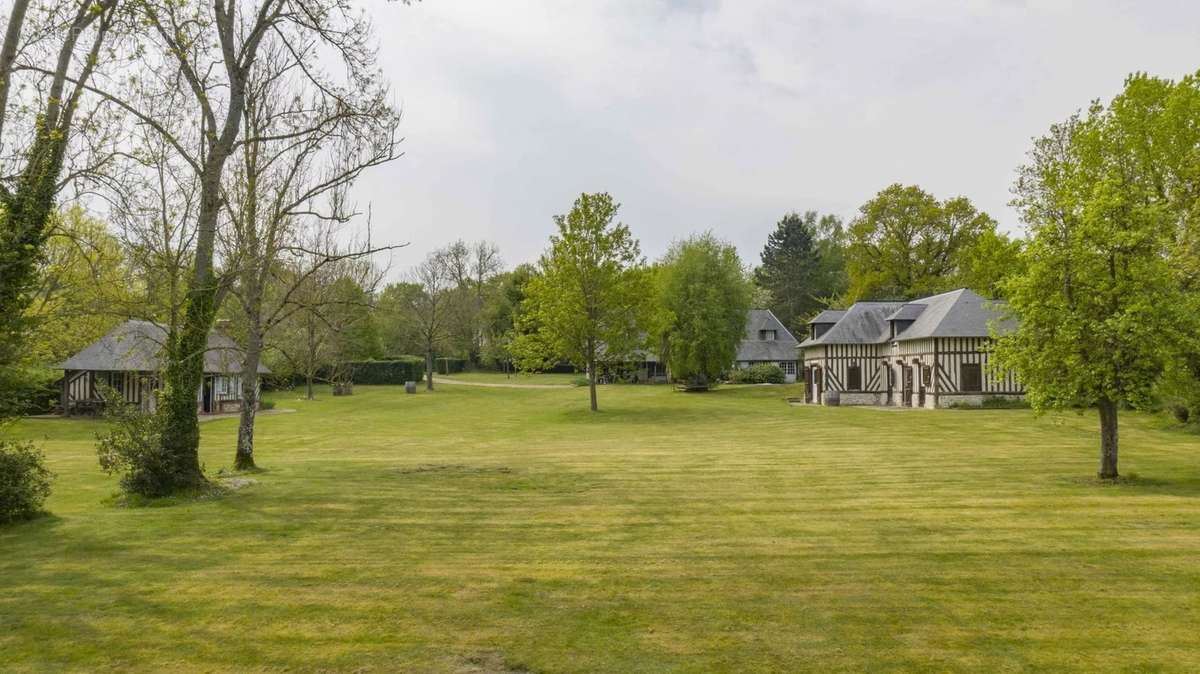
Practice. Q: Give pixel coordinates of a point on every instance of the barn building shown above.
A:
(129, 358)
(930, 352)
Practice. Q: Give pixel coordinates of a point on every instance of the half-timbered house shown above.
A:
(128, 360)
(930, 352)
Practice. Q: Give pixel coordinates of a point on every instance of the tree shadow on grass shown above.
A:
(1137, 484)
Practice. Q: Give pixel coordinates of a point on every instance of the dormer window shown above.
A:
(766, 335)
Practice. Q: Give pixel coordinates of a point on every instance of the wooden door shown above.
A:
(906, 394)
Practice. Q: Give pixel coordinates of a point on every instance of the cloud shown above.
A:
(723, 115)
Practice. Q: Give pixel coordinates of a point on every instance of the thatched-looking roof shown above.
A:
(136, 346)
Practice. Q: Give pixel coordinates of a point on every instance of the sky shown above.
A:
(724, 115)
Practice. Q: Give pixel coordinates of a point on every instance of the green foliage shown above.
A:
(803, 266)
(759, 373)
(24, 480)
(591, 301)
(706, 296)
(391, 371)
(905, 244)
(132, 447)
(579, 381)
(1103, 304)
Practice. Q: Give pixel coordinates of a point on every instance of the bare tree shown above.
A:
(206, 54)
(432, 305)
(470, 268)
(290, 182)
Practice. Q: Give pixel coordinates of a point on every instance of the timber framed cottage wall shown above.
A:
(128, 360)
(931, 352)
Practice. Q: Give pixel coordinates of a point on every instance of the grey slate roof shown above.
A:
(958, 313)
(864, 323)
(907, 312)
(782, 348)
(828, 316)
(137, 346)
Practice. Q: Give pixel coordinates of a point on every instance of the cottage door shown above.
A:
(906, 394)
(207, 406)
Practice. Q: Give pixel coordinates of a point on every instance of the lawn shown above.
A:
(483, 529)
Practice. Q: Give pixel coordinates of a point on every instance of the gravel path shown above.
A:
(456, 382)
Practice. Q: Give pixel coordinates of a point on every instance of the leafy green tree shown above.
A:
(803, 266)
(591, 300)
(1099, 304)
(399, 330)
(705, 292)
(905, 243)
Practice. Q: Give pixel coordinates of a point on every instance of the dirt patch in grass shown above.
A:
(490, 663)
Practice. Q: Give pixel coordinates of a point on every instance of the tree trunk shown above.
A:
(592, 382)
(244, 460)
(308, 385)
(428, 369)
(1108, 440)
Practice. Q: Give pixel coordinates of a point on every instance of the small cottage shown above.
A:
(767, 341)
(129, 359)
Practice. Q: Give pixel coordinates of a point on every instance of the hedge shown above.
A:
(449, 365)
(396, 371)
(759, 373)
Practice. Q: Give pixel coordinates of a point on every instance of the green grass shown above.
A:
(514, 378)
(478, 529)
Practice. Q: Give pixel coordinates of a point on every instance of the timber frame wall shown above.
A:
(910, 373)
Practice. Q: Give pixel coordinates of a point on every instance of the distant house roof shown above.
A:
(828, 316)
(137, 346)
(958, 313)
(752, 348)
(863, 323)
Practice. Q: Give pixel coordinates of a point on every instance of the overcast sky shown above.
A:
(725, 114)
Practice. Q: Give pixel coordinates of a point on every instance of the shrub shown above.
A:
(266, 404)
(759, 373)
(393, 371)
(132, 448)
(24, 480)
(580, 381)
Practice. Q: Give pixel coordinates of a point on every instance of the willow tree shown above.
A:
(591, 301)
(1100, 305)
(705, 292)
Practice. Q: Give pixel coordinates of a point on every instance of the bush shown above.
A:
(132, 448)
(759, 373)
(580, 381)
(266, 404)
(24, 480)
(394, 371)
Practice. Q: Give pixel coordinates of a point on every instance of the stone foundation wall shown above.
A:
(863, 398)
(968, 399)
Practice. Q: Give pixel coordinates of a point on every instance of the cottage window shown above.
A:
(766, 335)
(971, 377)
(224, 385)
(854, 378)
(788, 367)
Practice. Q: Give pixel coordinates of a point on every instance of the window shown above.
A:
(223, 389)
(854, 378)
(766, 335)
(971, 377)
(788, 367)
